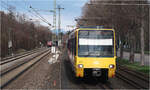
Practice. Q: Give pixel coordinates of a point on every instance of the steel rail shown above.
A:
(16, 55)
(132, 78)
(13, 73)
(19, 64)
(134, 73)
(10, 59)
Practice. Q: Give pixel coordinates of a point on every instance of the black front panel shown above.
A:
(89, 72)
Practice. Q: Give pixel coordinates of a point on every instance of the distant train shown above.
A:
(49, 43)
(92, 52)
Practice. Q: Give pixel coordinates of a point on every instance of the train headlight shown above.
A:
(111, 66)
(80, 65)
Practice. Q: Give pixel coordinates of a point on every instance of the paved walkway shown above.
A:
(126, 55)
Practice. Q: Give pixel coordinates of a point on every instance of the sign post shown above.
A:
(10, 43)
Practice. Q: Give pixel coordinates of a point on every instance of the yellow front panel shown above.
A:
(96, 62)
(111, 73)
(102, 63)
(79, 72)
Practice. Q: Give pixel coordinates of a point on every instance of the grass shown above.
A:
(147, 52)
(135, 66)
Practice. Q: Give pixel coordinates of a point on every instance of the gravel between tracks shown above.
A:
(41, 76)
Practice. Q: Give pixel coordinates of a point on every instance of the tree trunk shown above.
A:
(142, 36)
(149, 27)
(142, 43)
(121, 50)
(132, 49)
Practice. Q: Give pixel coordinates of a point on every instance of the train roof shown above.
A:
(88, 28)
(93, 28)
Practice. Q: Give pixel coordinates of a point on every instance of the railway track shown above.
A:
(16, 55)
(97, 84)
(13, 58)
(136, 79)
(9, 74)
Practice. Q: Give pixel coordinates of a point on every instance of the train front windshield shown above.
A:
(96, 43)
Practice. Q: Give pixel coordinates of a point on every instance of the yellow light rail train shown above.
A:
(92, 52)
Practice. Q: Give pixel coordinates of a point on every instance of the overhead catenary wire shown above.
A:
(37, 16)
(7, 6)
(43, 19)
(2, 6)
(31, 13)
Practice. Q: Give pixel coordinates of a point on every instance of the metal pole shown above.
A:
(54, 24)
(59, 20)
(54, 18)
(0, 36)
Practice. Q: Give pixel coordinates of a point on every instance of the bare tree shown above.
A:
(125, 17)
(24, 34)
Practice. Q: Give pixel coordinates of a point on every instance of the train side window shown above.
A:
(75, 46)
(68, 44)
(72, 46)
